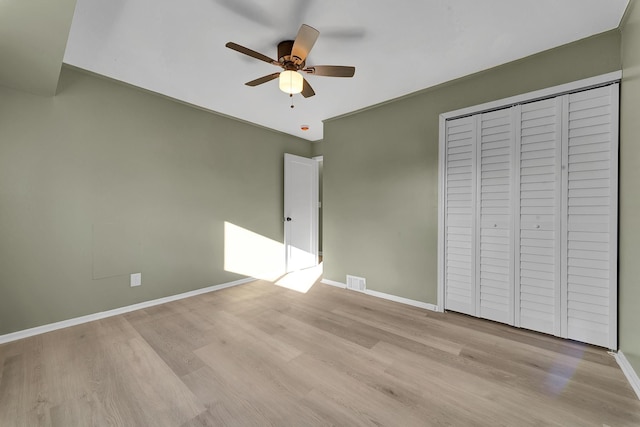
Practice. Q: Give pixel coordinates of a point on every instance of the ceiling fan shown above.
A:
(292, 55)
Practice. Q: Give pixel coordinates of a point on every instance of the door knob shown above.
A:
(288, 218)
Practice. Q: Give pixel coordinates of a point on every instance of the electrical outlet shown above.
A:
(136, 279)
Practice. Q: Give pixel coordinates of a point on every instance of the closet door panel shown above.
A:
(495, 214)
(538, 281)
(460, 200)
(591, 215)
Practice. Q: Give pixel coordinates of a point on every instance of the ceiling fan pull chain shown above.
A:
(291, 96)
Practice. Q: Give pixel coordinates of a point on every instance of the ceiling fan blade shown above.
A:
(305, 40)
(251, 53)
(264, 79)
(307, 90)
(331, 70)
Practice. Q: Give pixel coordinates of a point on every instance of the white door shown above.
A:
(494, 215)
(460, 196)
(300, 212)
(538, 303)
(590, 208)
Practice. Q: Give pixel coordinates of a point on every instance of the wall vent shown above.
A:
(356, 283)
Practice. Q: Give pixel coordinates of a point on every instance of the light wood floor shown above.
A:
(259, 355)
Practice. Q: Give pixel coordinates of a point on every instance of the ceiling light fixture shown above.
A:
(290, 82)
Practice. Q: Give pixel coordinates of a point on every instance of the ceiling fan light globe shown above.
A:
(291, 82)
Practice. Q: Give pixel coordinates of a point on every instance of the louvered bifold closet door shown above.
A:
(538, 255)
(460, 197)
(591, 154)
(495, 214)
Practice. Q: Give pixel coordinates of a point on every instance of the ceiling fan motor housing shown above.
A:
(285, 58)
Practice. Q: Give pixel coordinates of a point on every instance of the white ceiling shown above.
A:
(177, 48)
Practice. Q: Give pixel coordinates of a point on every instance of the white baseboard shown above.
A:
(334, 283)
(402, 300)
(629, 372)
(14, 336)
(382, 295)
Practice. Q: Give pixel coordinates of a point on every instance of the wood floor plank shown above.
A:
(355, 332)
(172, 343)
(154, 384)
(235, 360)
(421, 336)
(262, 355)
(308, 338)
(481, 397)
(13, 391)
(78, 375)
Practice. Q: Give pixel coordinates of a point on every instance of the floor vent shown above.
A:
(356, 283)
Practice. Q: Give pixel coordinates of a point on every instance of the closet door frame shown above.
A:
(584, 84)
(613, 226)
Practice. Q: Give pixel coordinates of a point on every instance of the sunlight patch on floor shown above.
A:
(562, 372)
(301, 280)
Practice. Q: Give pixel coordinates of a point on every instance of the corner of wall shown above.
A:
(630, 366)
(629, 247)
(317, 148)
(627, 13)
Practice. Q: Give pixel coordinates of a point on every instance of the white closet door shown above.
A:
(590, 275)
(460, 199)
(495, 255)
(538, 255)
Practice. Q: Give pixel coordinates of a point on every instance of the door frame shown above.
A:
(320, 160)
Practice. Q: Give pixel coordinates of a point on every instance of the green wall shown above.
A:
(381, 168)
(33, 37)
(104, 180)
(629, 265)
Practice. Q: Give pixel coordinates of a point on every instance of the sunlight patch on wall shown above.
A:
(252, 254)
(301, 280)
